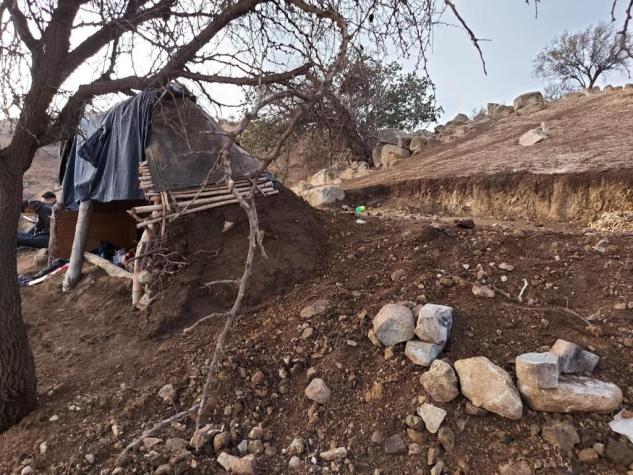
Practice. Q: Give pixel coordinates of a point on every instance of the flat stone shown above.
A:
(438, 468)
(574, 394)
(237, 465)
(319, 307)
(434, 323)
(538, 369)
(573, 359)
(532, 137)
(489, 386)
(440, 382)
(318, 391)
(415, 449)
(432, 416)
(561, 434)
(446, 437)
(334, 454)
(622, 423)
(395, 444)
(394, 324)
(421, 352)
(588, 455)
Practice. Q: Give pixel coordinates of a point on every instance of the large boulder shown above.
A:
(434, 323)
(440, 382)
(418, 142)
(389, 154)
(573, 394)
(323, 177)
(324, 195)
(527, 99)
(389, 136)
(489, 386)
(393, 324)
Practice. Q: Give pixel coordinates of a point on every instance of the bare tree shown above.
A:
(581, 58)
(59, 57)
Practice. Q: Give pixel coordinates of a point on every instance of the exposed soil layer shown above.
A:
(293, 238)
(94, 373)
(580, 197)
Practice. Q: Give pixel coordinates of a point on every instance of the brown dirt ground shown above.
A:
(89, 354)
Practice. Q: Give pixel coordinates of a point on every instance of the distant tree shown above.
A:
(581, 58)
(367, 95)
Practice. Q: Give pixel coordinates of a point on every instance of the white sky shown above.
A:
(516, 38)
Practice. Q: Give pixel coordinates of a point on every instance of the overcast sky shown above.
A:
(516, 38)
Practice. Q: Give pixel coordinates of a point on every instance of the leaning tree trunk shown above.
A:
(18, 393)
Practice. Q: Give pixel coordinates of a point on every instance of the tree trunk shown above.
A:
(18, 392)
(73, 273)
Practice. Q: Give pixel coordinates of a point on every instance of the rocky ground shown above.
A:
(309, 388)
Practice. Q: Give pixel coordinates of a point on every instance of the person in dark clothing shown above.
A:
(39, 234)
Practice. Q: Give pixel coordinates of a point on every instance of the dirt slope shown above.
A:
(582, 169)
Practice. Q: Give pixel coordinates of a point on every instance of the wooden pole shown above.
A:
(52, 233)
(139, 264)
(73, 274)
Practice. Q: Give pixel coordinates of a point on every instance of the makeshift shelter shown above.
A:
(139, 165)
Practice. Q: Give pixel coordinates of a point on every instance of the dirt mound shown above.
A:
(293, 240)
(102, 382)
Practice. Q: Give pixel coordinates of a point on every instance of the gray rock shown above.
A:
(167, 393)
(440, 382)
(389, 136)
(393, 324)
(319, 307)
(434, 323)
(421, 352)
(175, 444)
(404, 142)
(418, 142)
(163, 469)
(483, 291)
(295, 464)
(395, 444)
(334, 454)
(561, 434)
(619, 451)
(296, 447)
(527, 99)
(446, 438)
(414, 422)
(318, 391)
(538, 369)
(221, 441)
(432, 416)
(573, 359)
(489, 386)
(415, 449)
(574, 394)
(324, 195)
(532, 137)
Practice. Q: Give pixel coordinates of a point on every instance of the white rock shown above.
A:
(573, 359)
(421, 352)
(393, 324)
(334, 454)
(538, 369)
(483, 291)
(574, 394)
(506, 266)
(318, 391)
(532, 137)
(432, 416)
(622, 423)
(237, 465)
(324, 195)
(434, 323)
(489, 386)
(27, 470)
(90, 458)
(295, 464)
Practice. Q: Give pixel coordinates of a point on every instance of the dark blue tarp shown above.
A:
(101, 162)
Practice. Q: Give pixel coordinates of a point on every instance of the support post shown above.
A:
(73, 273)
(52, 240)
(139, 265)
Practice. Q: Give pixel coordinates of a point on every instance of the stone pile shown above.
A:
(555, 381)
(395, 323)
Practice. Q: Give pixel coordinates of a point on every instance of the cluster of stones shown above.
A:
(395, 323)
